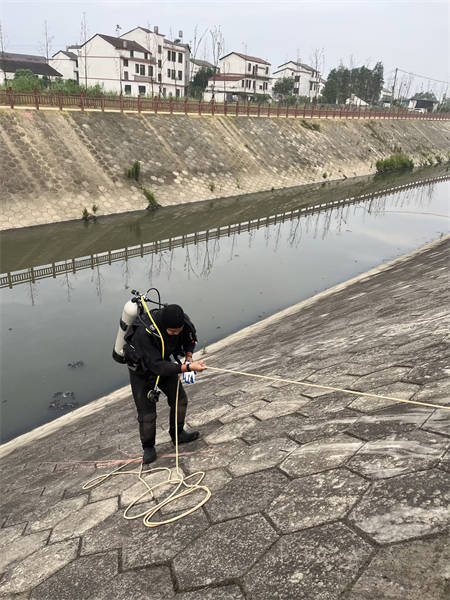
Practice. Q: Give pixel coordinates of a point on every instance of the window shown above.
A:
(142, 89)
(260, 87)
(137, 68)
(297, 78)
(128, 89)
(243, 83)
(76, 63)
(180, 57)
(164, 92)
(142, 69)
(169, 54)
(265, 85)
(267, 70)
(131, 53)
(168, 73)
(177, 93)
(249, 67)
(159, 77)
(150, 71)
(159, 50)
(180, 74)
(125, 62)
(173, 73)
(174, 56)
(145, 55)
(254, 85)
(159, 64)
(125, 75)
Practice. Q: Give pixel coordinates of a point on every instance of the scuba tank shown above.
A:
(130, 312)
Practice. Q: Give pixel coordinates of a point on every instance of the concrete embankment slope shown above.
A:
(314, 494)
(55, 164)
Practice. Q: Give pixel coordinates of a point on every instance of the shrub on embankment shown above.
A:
(396, 162)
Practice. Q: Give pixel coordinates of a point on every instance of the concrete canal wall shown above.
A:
(55, 164)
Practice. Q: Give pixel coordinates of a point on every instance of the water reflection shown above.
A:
(318, 219)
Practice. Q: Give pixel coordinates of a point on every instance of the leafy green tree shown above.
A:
(363, 82)
(25, 79)
(425, 96)
(284, 86)
(200, 82)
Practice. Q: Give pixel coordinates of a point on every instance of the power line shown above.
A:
(422, 76)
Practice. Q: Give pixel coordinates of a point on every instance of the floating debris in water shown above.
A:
(63, 400)
(76, 364)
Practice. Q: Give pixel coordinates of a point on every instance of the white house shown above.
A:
(307, 80)
(10, 63)
(354, 100)
(240, 76)
(172, 60)
(66, 62)
(119, 65)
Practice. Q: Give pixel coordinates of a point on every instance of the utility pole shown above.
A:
(83, 41)
(2, 46)
(393, 86)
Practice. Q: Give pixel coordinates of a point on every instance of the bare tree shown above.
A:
(318, 64)
(195, 44)
(218, 46)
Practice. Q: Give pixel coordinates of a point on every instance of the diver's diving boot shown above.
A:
(149, 455)
(184, 437)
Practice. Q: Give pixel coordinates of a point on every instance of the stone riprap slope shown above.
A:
(315, 495)
(55, 164)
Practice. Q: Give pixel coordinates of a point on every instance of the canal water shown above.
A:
(229, 263)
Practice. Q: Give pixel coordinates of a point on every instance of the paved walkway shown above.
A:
(316, 495)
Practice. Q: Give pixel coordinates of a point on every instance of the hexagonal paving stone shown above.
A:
(405, 507)
(316, 564)
(277, 427)
(439, 422)
(144, 584)
(414, 570)
(395, 419)
(230, 431)
(260, 456)
(206, 416)
(320, 455)
(315, 428)
(329, 403)
(279, 408)
(396, 455)
(218, 455)
(242, 411)
(159, 544)
(84, 519)
(80, 579)
(57, 513)
(436, 392)
(21, 547)
(245, 495)
(213, 480)
(404, 391)
(224, 551)
(316, 499)
(228, 592)
(38, 566)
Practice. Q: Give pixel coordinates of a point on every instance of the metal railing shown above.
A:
(187, 106)
(92, 261)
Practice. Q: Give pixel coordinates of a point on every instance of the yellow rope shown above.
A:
(328, 387)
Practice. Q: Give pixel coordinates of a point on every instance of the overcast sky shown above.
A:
(411, 35)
